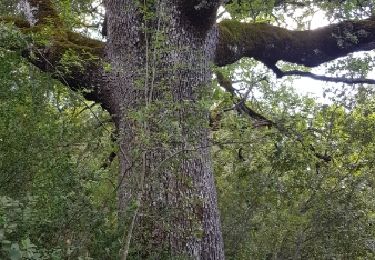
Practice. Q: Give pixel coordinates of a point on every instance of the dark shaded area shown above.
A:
(200, 14)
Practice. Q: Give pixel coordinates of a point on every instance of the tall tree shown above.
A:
(153, 75)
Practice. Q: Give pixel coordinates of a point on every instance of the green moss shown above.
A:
(231, 30)
(250, 33)
(57, 41)
(18, 22)
(87, 50)
(60, 40)
(255, 40)
(94, 46)
(50, 31)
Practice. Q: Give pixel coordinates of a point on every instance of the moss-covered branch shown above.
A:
(73, 59)
(270, 44)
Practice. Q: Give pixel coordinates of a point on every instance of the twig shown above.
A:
(280, 74)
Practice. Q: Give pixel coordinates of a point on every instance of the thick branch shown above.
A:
(270, 44)
(73, 59)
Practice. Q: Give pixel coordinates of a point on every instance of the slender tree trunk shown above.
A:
(160, 78)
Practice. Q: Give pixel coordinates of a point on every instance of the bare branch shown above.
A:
(279, 74)
(240, 103)
(261, 121)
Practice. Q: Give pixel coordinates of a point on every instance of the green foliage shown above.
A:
(10, 38)
(278, 198)
(256, 10)
(15, 219)
(7, 7)
(56, 201)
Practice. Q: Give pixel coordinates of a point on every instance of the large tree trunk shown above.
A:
(160, 78)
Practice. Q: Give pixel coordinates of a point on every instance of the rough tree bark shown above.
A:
(159, 76)
(170, 180)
